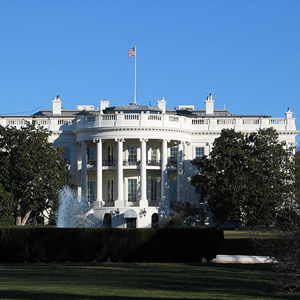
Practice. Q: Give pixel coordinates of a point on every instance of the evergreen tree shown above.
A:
(32, 171)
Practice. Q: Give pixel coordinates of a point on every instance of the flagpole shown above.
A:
(135, 74)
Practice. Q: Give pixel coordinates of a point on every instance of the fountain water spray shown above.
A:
(74, 211)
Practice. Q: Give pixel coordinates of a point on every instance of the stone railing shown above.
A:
(180, 122)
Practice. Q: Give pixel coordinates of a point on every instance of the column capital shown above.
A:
(144, 140)
(120, 140)
(97, 140)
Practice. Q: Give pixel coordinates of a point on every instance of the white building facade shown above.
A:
(132, 162)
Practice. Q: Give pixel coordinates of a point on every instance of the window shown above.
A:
(107, 221)
(154, 154)
(110, 190)
(172, 161)
(110, 155)
(199, 152)
(66, 155)
(132, 189)
(131, 223)
(173, 154)
(153, 195)
(91, 191)
(154, 221)
(91, 155)
(132, 155)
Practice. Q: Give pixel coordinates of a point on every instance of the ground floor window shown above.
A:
(132, 190)
(131, 223)
(107, 221)
(153, 195)
(91, 191)
(154, 221)
(110, 190)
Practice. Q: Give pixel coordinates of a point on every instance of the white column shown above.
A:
(83, 170)
(179, 171)
(143, 174)
(99, 202)
(164, 172)
(119, 202)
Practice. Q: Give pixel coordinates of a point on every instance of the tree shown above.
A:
(297, 175)
(32, 171)
(245, 177)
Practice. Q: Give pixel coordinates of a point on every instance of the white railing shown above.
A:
(182, 122)
(277, 121)
(154, 121)
(199, 121)
(251, 121)
(225, 121)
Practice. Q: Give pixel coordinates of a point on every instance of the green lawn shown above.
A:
(137, 281)
(245, 234)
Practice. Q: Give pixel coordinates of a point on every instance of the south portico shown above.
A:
(137, 179)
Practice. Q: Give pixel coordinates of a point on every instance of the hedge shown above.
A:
(34, 244)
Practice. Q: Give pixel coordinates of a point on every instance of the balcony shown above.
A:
(172, 162)
(154, 163)
(131, 162)
(181, 122)
(109, 163)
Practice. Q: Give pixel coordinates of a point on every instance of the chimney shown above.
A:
(56, 106)
(209, 105)
(103, 104)
(162, 104)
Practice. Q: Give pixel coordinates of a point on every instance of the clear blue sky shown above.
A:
(245, 52)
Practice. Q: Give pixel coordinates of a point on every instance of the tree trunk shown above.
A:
(19, 221)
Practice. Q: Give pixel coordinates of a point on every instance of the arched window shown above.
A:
(154, 221)
(107, 221)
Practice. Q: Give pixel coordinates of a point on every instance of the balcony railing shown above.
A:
(109, 162)
(172, 163)
(131, 162)
(153, 163)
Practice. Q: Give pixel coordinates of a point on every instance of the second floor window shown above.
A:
(91, 155)
(110, 155)
(132, 155)
(173, 154)
(154, 154)
(199, 152)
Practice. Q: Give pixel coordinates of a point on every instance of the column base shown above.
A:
(98, 204)
(143, 203)
(119, 203)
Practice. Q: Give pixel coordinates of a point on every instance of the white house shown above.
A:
(131, 162)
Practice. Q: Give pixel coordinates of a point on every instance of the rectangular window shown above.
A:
(154, 154)
(66, 155)
(131, 223)
(199, 152)
(132, 190)
(110, 155)
(153, 195)
(91, 191)
(173, 154)
(91, 155)
(110, 190)
(132, 158)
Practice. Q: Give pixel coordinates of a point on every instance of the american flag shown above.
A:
(131, 52)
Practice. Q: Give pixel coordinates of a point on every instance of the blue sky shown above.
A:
(245, 52)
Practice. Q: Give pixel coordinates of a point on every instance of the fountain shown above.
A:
(74, 211)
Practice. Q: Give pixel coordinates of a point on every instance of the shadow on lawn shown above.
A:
(208, 281)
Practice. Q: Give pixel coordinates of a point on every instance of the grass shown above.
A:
(245, 234)
(138, 281)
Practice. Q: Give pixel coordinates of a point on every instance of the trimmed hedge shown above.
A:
(34, 244)
(248, 246)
